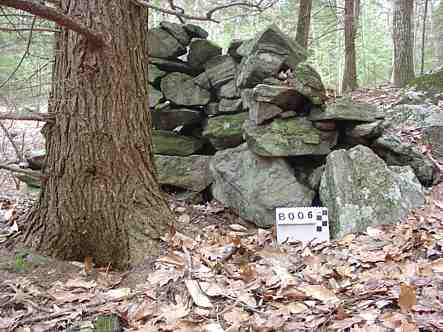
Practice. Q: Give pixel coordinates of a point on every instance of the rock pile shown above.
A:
(253, 125)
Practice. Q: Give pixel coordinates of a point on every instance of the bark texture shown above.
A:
(101, 197)
(304, 23)
(352, 10)
(403, 59)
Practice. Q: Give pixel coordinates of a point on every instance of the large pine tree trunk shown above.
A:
(304, 23)
(403, 59)
(349, 81)
(101, 197)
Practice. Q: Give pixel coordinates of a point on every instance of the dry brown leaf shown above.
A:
(407, 298)
(248, 272)
(408, 326)
(80, 283)
(437, 266)
(197, 294)
(321, 293)
(144, 310)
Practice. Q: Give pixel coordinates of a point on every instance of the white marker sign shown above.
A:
(302, 224)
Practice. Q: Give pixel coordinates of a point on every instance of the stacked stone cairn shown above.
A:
(252, 129)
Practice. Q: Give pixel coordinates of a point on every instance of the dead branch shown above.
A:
(28, 29)
(11, 140)
(56, 16)
(18, 170)
(27, 116)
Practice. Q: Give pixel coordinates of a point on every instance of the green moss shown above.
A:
(297, 130)
(225, 125)
(428, 82)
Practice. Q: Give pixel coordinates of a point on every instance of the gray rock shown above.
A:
(233, 47)
(360, 190)
(273, 40)
(155, 96)
(174, 66)
(220, 70)
(36, 159)
(230, 106)
(169, 143)
(194, 31)
(288, 137)
(397, 153)
(191, 173)
(169, 118)
(211, 109)
(259, 112)
(177, 31)
(163, 45)
(155, 74)
(228, 90)
(201, 51)
(307, 82)
(315, 178)
(257, 67)
(33, 181)
(255, 186)
(345, 111)
(225, 131)
(414, 116)
(202, 81)
(372, 130)
(434, 137)
(286, 97)
(181, 90)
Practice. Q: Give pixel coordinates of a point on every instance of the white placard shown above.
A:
(302, 224)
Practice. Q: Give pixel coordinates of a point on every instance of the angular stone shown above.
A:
(259, 112)
(228, 90)
(201, 51)
(163, 45)
(169, 143)
(288, 137)
(174, 66)
(258, 66)
(255, 186)
(211, 109)
(225, 131)
(155, 74)
(273, 40)
(370, 130)
(345, 111)
(414, 116)
(306, 80)
(194, 31)
(177, 31)
(36, 159)
(181, 90)
(397, 153)
(191, 173)
(230, 106)
(170, 118)
(286, 97)
(220, 70)
(434, 137)
(233, 47)
(360, 190)
(202, 81)
(155, 96)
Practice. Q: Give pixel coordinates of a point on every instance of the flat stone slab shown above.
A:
(177, 31)
(163, 45)
(201, 51)
(254, 186)
(345, 111)
(285, 97)
(225, 131)
(171, 118)
(360, 190)
(288, 137)
(181, 90)
(169, 143)
(191, 173)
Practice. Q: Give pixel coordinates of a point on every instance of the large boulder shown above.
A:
(228, 90)
(225, 131)
(306, 80)
(431, 85)
(155, 96)
(155, 75)
(175, 65)
(288, 137)
(201, 51)
(194, 31)
(163, 45)
(169, 118)
(220, 70)
(414, 116)
(169, 143)
(433, 136)
(177, 31)
(397, 153)
(230, 106)
(360, 190)
(181, 90)
(191, 173)
(345, 111)
(254, 186)
(286, 97)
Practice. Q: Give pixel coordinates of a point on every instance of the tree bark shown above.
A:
(403, 59)
(101, 197)
(304, 23)
(423, 38)
(349, 82)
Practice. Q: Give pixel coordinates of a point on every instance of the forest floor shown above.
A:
(219, 273)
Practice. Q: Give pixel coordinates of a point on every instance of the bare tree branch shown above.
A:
(27, 116)
(54, 15)
(16, 169)
(176, 8)
(28, 29)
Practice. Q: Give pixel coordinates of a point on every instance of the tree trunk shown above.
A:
(437, 27)
(403, 59)
(304, 23)
(423, 38)
(101, 197)
(349, 82)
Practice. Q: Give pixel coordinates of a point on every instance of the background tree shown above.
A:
(304, 22)
(352, 10)
(403, 58)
